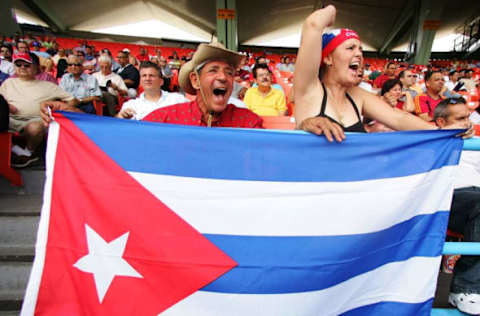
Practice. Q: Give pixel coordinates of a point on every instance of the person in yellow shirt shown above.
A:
(263, 99)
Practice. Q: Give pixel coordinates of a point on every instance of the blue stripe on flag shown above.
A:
(274, 265)
(265, 156)
(393, 309)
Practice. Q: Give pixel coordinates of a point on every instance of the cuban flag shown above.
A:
(156, 219)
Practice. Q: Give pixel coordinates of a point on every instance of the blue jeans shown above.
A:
(465, 218)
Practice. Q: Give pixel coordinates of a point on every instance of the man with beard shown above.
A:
(209, 76)
(263, 99)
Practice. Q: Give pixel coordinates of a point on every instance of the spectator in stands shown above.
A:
(61, 68)
(338, 57)
(260, 60)
(167, 73)
(129, 74)
(53, 50)
(36, 51)
(6, 52)
(59, 55)
(158, 52)
(366, 70)
(47, 42)
(286, 65)
(89, 66)
(40, 73)
(89, 53)
(110, 83)
(464, 211)
(115, 65)
(408, 78)
(152, 97)
(392, 92)
(209, 75)
(281, 62)
(445, 74)
(453, 84)
(143, 56)
(155, 60)
(468, 81)
(425, 103)
(173, 62)
(5, 66)
(22, 47)
(263, 99)
(25, 106)
(389, 73)
(363, 81)
(82, 86)
(244, 64)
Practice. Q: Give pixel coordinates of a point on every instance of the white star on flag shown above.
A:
(105, 261)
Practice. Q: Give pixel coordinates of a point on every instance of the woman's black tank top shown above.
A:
(357, 127)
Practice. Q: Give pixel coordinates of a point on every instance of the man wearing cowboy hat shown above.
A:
(209, 76)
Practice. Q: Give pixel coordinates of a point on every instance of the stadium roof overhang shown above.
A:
(382, 25)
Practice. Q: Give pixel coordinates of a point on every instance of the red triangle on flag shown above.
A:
(88, 187)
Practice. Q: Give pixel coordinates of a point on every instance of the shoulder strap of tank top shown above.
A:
(324, 101)
(354, 106)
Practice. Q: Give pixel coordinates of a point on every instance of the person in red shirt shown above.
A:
(209, 76)
(425, 103)
(143, 56)
(389, 73)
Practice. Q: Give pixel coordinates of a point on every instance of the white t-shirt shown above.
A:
(468, 170)
(7, 67)
(237, 102)
(113, 77)
(143, 107)
(366, 86)
(475, 117)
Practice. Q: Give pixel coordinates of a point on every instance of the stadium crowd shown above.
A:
(330, 89)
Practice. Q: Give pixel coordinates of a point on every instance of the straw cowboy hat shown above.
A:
(206, 52)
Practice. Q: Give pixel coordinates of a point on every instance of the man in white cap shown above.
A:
(209, 76)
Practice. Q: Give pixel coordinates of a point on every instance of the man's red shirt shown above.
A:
(142, 58)
(380, 80)
(426, 104)
(189, 113)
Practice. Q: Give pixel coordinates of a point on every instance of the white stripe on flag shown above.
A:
(393, 282)
(297, 208)
(31, 293)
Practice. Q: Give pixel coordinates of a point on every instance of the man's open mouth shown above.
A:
(219, 91)
(354, 66)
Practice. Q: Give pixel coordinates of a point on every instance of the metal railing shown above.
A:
(460, 248)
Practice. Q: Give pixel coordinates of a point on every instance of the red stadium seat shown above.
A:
(5, 164)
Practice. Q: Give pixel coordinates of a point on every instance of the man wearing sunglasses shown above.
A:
(465, 210)
(82, 86)
(24, 95)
